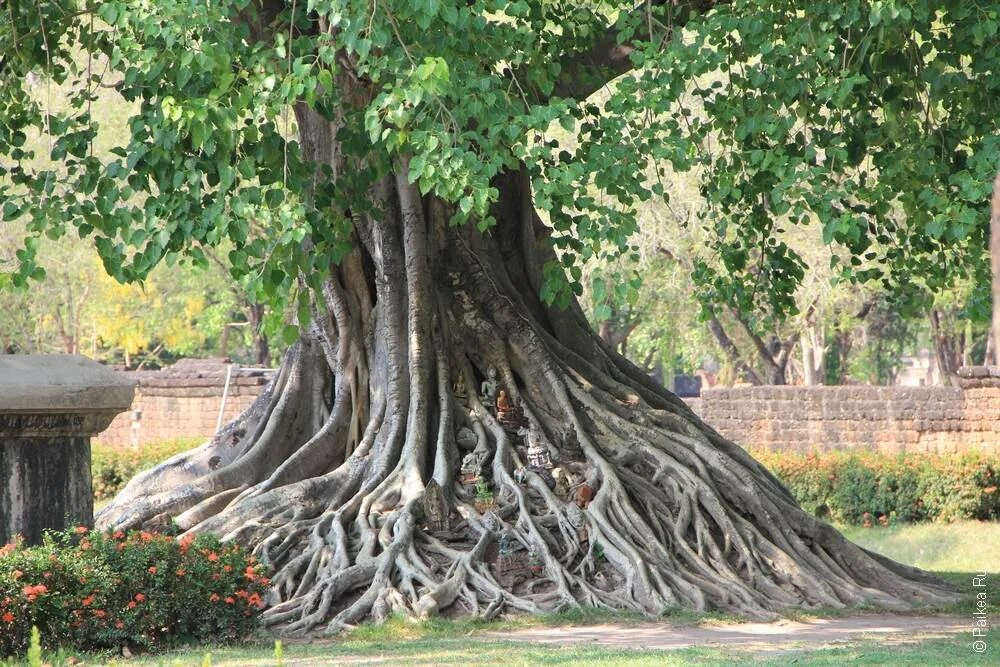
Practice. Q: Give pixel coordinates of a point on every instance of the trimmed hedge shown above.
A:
(88, 590)
(113, 467)
(864, 488)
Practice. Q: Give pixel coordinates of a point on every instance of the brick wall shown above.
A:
(888, 419)
(183, 401)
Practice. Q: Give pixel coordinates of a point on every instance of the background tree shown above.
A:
(379, 167)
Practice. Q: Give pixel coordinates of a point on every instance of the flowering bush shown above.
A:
(91, 590)
(869, 488)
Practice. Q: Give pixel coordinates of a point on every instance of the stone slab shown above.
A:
(61, 383)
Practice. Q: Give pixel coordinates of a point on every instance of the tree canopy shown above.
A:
(876, 119)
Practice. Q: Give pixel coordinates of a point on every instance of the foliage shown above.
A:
(869, 488)
(876, 121)
(113, 467)
(90, 590)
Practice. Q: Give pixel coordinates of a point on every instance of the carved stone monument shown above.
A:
(50, 406)
(436, 511)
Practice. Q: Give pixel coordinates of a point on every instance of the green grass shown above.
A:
(963, 546)
(474, 651)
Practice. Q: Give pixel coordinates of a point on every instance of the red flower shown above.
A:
(87, 601)
(251, 573)
(119, 624)
(100, 613)
(255, 600)
(118, 534)
(181, 572)
(38, 589)
(264, 581)
(131, 604)
(212, 556)
(242, 594)
(7, 548)
(139, 597)
(227, 568)
(216, 576)
(229, 600)
(214, 597)
(7, 617)
(84, 545)
(152, 569)
(145, 536)
(80, 530)
(17, 574)
(46, 575)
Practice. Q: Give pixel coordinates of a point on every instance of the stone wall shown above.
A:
(183, 401)
(863, 418)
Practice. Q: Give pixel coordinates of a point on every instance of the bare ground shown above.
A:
(764, 637)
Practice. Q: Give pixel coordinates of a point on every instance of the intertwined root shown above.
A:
(678, 518)
(326, 476)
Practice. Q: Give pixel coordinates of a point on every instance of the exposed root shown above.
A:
(328, 476)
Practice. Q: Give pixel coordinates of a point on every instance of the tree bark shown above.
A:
(324, 476)
(995, 267)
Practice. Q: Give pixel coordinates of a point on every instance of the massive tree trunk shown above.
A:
(328, 476)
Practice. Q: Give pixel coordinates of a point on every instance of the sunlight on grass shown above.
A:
(963, 546)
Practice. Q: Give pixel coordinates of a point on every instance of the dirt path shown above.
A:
(765, 637)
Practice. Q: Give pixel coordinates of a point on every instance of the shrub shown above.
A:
(88, 590)
(862, 488)
(113, 467)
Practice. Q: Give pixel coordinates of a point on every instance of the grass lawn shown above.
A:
(955, 551)
(471, 651)
(963, 546)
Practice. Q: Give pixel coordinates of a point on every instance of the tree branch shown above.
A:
(584, 72)
(729, 347)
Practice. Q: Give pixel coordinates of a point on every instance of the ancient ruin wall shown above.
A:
(183, 401)
(862, 418)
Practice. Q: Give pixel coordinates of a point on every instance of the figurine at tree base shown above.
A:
(563, 482)
(436, 511)
(459, 389)
(571, 442)
(584, 494)
(488, 388)
(538, 454)
(473, 464)
(509, 414)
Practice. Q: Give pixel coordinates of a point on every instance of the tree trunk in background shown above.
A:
(261, 346)
(995, 266)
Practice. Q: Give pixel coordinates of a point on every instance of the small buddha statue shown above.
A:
(488, 388)
(509, 413)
